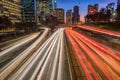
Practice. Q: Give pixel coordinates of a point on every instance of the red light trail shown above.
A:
(102, 58)
(99, 30)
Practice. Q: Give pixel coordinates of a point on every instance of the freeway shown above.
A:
(46, 62)
(51, 59)
(96, 61)
(99, 30)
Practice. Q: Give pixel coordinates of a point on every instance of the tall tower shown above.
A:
(55, 4)
(76, 15)
(11, 9)
(69, 17)
(28, 10)
(43, 9)
(59, 12)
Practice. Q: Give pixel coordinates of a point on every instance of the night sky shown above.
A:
(69, 4)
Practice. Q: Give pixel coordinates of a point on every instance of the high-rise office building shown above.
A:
(69, 17)
(11, 9)
(55, 4)
(28, 10)
(59, 13)
(76, 15)
(51, 4)
(92, 9)
(45, 8)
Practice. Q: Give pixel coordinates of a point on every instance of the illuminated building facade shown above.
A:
(92, 9)
(11, 9)
(69, 17)
(44, 8)
(59, 12)
(28, 10)
(46, 5)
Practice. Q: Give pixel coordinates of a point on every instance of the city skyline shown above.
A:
(69, 4)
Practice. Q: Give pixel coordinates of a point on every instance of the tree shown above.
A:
(109, 10)
(110, 6)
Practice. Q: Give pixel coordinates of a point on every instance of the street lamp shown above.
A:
(113, 16)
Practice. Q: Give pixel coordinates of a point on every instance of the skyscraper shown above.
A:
(59, 13)
(76, 15)
(11, 9)
(28, 10)
(55, 4)
(69, 17)
(43, 9)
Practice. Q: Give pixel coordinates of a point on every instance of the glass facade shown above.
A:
(28, 10)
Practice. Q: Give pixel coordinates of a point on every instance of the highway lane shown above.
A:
(10, 67)
(52, 72)
(32, 63)
(109, 61)
(99, 30)
(47, 62)
(82, 59)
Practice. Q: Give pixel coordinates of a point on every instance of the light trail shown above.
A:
(99, 30)
(101, 47)
(53, 72)
(115, 63)
(7, 44)
(46, 63)
(84, 63)
(93, 51)
(15, 46)
(10, 67)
